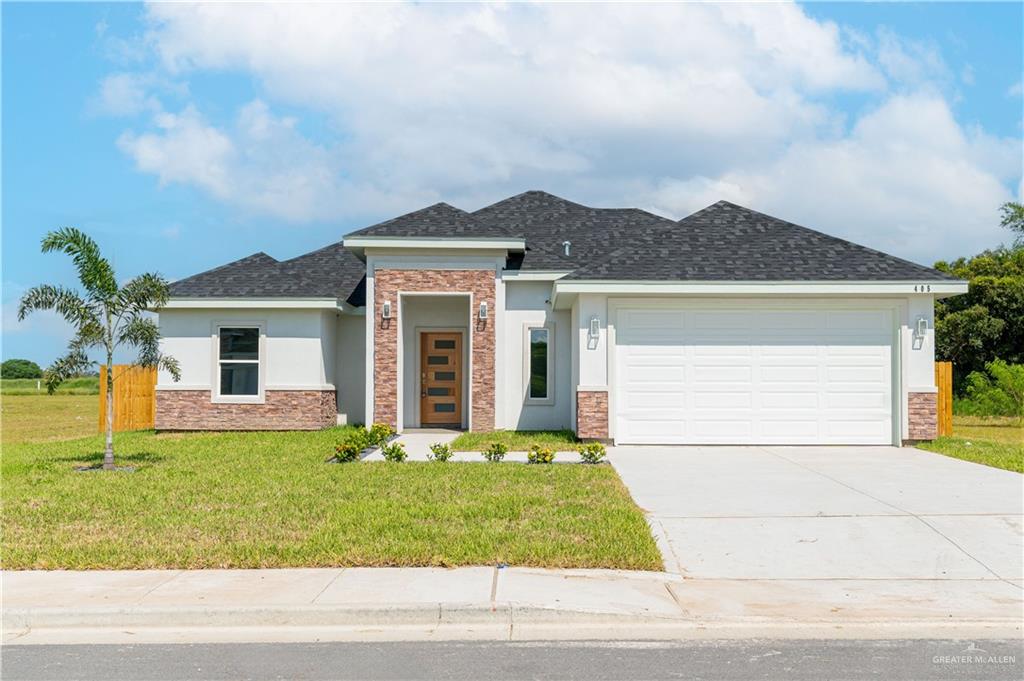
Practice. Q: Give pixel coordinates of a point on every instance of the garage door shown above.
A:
(751, 375)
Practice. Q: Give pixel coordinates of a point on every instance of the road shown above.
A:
(789, 660)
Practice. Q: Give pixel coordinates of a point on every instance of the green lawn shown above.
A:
(250, 500)
(517, 440)
(88, 385)
(993, 441)
(41, 418)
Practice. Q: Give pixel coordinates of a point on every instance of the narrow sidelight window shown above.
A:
(539, 364)
(239, 361)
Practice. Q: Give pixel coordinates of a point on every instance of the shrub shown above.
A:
(439, 451)
(379, 434)
(999, 392)
(495, 452)
(394, 452)
(20, 368)
(591, 452)
(346, 452)
(539, 454)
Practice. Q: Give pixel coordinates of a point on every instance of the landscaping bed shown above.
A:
(516, 440)
(252, 500)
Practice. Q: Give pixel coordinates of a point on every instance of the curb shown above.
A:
(500, 622)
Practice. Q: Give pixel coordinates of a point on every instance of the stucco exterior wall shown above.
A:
(350, 368)
(526, 304)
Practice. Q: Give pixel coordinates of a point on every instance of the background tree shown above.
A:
(20, 368)
(106, 317)
(987, 322)
(1013, 220)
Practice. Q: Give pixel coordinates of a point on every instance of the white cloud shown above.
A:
(1015, 90)
(682, 104)
(125, 94)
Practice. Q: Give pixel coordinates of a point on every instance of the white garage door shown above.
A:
(753, 375)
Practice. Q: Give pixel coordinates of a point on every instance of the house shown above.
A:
(725, 327)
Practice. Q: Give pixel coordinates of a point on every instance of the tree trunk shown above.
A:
(108, 452)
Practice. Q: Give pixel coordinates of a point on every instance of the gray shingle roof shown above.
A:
(726, 242)
(329, 272)
(439, 221)
(723, 242)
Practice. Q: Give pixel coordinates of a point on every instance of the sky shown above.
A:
(182, 137)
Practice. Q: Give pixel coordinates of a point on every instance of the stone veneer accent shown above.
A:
(592, 414)
(281, 410)
(923, 416)
(387, 283)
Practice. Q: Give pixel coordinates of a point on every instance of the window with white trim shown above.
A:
(539, 369)
(238, 361)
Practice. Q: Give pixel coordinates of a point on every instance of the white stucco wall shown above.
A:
(424, 313)
(299, 353)
(526, 303)
(350, 368)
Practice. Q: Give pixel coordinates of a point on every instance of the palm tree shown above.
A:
(108, 316)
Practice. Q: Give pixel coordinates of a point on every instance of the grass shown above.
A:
(517, 440)
(42, 418)
(86, 385)
(992, 441)
(252, 500)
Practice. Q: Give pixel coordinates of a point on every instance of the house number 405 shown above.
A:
(922, 288)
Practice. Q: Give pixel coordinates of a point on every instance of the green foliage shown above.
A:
(540, 454)
(1013, 219)
(440, 451)
(515, 440)
(591, 452)
(379, 434)
(999, 392)
(20, 368)
(83, 385)
(105, 316)
(495, 452)
(347, 452)
(985, 323)
(394, 452)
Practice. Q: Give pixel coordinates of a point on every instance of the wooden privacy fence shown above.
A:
(134, 398)
(944, 401)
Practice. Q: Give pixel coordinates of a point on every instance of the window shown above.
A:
(539, 364)
(238, 361)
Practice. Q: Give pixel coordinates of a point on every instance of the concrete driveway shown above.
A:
(828, 513)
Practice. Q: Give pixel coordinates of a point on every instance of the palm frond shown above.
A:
(146, 291)
(144, 334)
(65, 302)
(70, 365)
(94, 271)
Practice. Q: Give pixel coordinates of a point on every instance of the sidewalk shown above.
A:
(485, 603)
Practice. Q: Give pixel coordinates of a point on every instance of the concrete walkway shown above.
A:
(483, 603)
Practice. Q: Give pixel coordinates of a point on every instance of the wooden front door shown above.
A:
(441, 379)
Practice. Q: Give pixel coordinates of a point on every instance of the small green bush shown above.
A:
(394, 452)
(347, 452)
(379, 434)
(538, 454)
(440, 451)
(495, 452)
(591, 452)
(998, 392)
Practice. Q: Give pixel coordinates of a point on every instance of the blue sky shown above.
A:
(182, 137)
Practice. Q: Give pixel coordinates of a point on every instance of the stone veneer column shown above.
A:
(922, 416)
(387, 283)
(592, 414)
(280, 410)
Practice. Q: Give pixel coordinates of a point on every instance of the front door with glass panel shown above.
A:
(441, 379)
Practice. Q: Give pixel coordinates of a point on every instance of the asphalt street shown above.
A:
(789, 660)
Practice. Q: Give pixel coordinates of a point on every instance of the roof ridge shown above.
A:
(816, 232)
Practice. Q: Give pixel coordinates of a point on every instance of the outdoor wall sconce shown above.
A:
(385, 312)
(921, 327)
(595, 327)
(483, 312)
